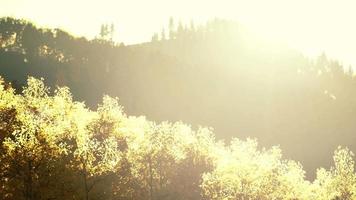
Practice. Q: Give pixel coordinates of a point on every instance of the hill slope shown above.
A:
(217, 75)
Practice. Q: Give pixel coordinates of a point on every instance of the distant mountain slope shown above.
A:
(217, 75)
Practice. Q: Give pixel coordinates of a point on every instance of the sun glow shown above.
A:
(236, 66)
(310, 26)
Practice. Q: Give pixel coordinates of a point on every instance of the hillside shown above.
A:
(217, 75)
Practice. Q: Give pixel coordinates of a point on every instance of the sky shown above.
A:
(311, 26)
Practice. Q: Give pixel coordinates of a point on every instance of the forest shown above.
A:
(55, 148)
(67, 136)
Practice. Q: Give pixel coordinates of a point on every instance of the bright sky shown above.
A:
(311, 26)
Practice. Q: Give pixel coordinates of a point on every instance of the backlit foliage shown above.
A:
(218, 73)
(55, 148)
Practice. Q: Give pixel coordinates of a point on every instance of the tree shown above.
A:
(154, 37)
(97, 152)
(192, 26)
(112, 31)
(107, 32)
(104, 31)
(171, 28)
(180, 30)
(243, 172)
(340, 181)
(163, 35)
(31, 41)
(35, 144)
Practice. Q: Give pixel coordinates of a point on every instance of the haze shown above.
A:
(255, 100)
(310, 26)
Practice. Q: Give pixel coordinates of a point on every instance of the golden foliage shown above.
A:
(55, 148)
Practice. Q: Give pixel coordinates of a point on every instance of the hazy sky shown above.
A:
(312, 26)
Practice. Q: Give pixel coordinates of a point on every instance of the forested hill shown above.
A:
(217, 75)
